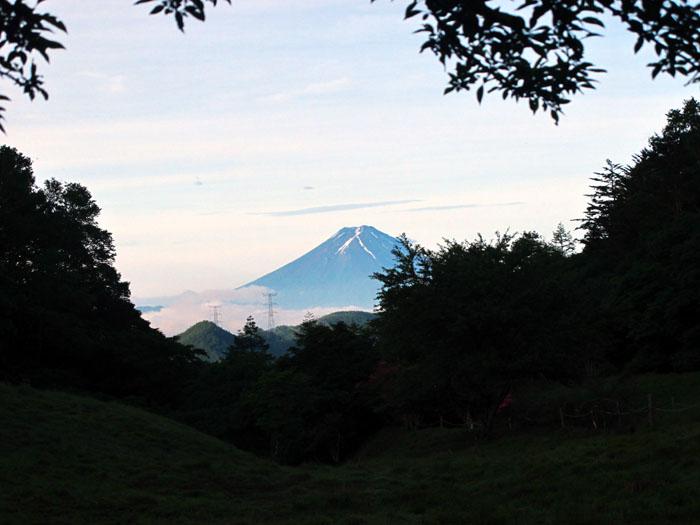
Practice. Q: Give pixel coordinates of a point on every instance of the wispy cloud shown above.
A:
(463, 206)
(113, 84)
(333, 208)
(313, 89)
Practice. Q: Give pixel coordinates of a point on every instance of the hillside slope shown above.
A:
(67, 459)
(357, 317)
(209, 337)
(282, 338)
(215, 340)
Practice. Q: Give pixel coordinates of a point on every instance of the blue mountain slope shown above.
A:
(335, 273)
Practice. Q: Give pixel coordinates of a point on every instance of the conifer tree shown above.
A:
(563, 241)
(249, 339)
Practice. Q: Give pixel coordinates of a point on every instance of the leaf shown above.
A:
(199, 15)
(593, 20)
(411, 10)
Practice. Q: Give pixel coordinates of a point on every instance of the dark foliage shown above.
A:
(312, 404)
(215, 402)
(181, 9)
(317, 404)
(24, 33)
(535, 49)
(66, 316)
(27, 33)
(643, 239)
(464, 323)
(463, 326)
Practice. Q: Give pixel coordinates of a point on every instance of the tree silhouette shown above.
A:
(471, 325)
(562, 241)
(249, 339)
(642, 244)
(314, 405)
(67, 319)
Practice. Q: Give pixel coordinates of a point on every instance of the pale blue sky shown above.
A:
(223, 153)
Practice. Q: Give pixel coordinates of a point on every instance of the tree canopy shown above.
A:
(641, 235)
(523, 49)
(469, 321)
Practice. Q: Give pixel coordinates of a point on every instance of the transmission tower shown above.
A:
(214, 310)
(270, 309)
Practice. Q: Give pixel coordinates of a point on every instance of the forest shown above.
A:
(466, 334)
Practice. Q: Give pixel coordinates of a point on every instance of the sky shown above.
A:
(221, 154)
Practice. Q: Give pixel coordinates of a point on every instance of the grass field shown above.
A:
(69, 459)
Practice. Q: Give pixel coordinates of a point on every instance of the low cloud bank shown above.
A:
(177, 313)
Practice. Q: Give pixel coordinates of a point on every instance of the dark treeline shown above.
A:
(461, 330)
(65, 315)
(316, 402)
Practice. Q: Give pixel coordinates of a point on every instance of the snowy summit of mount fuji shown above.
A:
(335, 273)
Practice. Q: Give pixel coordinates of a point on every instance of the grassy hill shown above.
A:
(68, 459)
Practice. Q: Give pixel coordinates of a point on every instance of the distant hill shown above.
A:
(215, 340)
(209, 337)
(335, 273)
(281, 338)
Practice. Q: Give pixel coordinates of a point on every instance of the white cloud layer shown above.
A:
(234, 306)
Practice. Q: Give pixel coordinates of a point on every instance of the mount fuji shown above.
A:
(335, 273)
